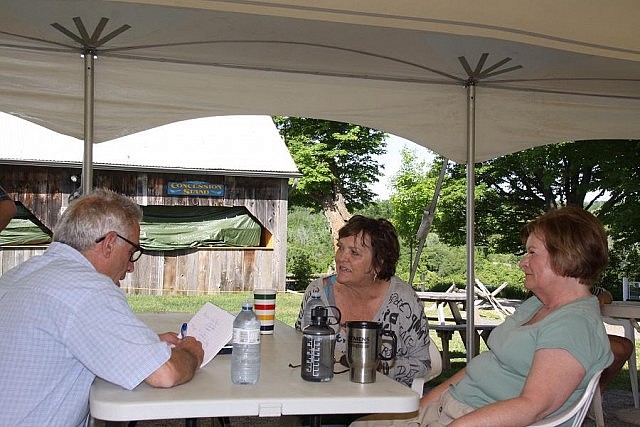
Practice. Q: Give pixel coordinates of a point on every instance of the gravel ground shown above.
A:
(615, 401)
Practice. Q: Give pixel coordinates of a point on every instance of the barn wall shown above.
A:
(46, 191)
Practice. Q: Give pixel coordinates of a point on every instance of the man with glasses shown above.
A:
(63, 322)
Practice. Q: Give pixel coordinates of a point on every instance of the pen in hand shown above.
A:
(183, 331)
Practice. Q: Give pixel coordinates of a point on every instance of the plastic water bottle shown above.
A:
(318, 344)
(314, 302)
(245, 356)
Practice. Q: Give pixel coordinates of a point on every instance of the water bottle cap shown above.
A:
(319, 316)
(247, 305)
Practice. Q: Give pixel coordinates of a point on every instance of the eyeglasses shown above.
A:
(135, 255)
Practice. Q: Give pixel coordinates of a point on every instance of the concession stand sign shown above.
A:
(195, 188)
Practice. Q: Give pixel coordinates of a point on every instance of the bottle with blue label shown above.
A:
(245, 356)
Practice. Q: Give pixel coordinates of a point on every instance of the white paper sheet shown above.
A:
(213, 327)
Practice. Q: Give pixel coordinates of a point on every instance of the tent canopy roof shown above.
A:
(400, 66)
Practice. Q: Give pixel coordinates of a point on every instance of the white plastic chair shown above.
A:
(629, 333)
(578, 410)
(436, 369)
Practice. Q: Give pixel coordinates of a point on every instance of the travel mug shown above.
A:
(364, 345)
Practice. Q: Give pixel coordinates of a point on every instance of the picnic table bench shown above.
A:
(445, 330)
(445, 333)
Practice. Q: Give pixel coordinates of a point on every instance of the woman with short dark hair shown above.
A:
(365, 288)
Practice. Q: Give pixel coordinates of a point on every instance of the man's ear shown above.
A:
(106, 247)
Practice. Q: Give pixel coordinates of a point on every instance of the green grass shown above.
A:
(288, 306)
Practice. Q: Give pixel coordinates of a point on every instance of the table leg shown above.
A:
(455, 312)
(441, 317)
(457, 317)
(315, 421)
(445, 336)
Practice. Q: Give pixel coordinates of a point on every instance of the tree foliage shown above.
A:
(620, 166)
(441, 264)
(333, 157)
(509, 191)
(518, 187)
(337, 162)
(412, 192)
(512, 189)
(309, 244)
(451, 216)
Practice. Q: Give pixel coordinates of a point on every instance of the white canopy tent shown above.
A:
(470, 80)
(392, 66)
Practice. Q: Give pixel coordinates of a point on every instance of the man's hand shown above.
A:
(170, 338)
(186, 357)
(191, 346)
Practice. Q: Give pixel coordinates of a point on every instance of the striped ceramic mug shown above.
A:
(264, 302)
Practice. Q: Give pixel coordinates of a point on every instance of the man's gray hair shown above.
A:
(92, 216)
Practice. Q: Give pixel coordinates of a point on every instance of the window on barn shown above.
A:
(25, 229)
(166, 228)
(163, 228)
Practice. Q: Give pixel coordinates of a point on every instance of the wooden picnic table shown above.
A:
(451, 299)
(445, 331)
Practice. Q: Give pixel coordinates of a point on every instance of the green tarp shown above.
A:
(163, 228)
(24, 229)
(178, 227)
(23, 232)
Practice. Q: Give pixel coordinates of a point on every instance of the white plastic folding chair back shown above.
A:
(629, 333)
(577, 411)
(436, 369)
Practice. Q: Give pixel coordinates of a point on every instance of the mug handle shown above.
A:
(394, 347)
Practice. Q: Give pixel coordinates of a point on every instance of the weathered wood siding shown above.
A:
(14, 255)
(46, 190)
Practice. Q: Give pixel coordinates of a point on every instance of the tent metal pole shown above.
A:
(471, 147)
(87, 158)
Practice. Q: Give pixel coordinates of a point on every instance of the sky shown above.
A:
(392, 161)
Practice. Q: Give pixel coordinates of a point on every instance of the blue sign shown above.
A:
(195, 188)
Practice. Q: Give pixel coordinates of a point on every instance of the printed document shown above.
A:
(213, 327)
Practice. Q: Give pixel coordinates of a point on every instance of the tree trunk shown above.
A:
(336, 212)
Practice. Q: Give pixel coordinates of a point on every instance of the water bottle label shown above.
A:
(317, 358)
(246, 336)
(312, 362)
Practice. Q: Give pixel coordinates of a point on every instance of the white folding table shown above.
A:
(280, 390)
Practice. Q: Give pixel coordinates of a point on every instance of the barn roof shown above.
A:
(224, 145)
